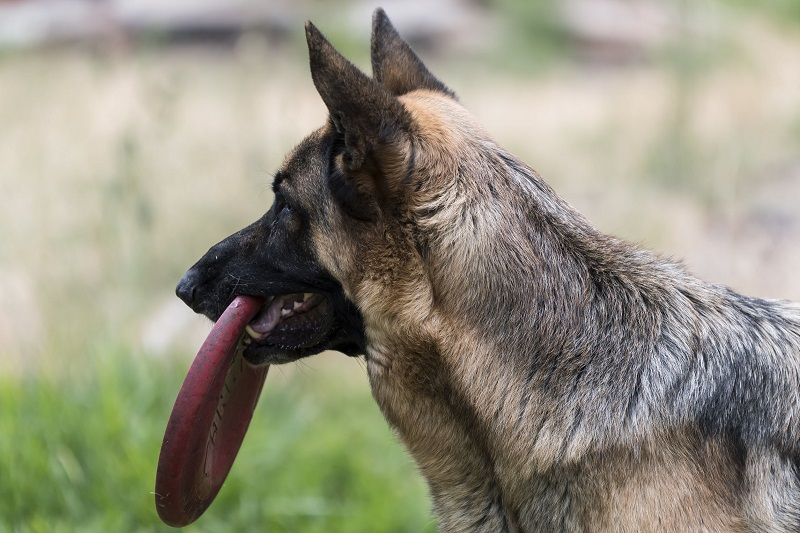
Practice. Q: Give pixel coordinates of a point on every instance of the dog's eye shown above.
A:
(286, 210)
(280, 204)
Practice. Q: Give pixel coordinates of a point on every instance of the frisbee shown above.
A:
(209, 419)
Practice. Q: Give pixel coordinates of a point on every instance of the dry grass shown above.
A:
(117, 172)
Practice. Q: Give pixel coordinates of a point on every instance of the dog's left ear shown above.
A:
(394, 63)
(361, 109)
(372, 122)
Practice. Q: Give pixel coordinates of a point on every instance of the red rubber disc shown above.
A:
(209, 419)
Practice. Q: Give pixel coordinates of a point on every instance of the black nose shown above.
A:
(186, 288)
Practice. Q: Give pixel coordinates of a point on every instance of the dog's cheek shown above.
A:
(335, 251)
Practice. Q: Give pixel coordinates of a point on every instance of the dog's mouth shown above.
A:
(287, 327)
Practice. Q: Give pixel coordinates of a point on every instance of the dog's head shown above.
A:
(345, 236)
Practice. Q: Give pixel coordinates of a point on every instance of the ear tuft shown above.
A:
(394, 64)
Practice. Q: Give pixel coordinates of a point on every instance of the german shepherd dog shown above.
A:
(544, 375)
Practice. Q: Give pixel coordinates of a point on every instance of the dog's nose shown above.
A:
(186, 288)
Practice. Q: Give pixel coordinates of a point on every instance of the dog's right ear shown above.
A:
(395, 64)
(372, 122)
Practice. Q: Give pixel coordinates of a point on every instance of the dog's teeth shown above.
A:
(250, 331)
(247, 341)
(307, 295)
(285, 312)
(296, 305)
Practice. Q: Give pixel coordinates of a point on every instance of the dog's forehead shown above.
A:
(306, 165)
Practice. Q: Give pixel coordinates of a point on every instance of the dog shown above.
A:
(543, 375)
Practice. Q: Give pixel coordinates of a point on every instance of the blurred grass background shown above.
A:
(123, 159)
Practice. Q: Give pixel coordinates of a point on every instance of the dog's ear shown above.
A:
(394, 64)
(371, 120)
(364, 111)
